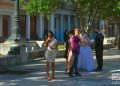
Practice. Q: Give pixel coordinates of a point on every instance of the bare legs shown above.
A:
(47, 70)
(70, 61)
(53, 70)
(66, 65)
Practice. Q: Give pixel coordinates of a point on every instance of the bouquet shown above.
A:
(92, 41)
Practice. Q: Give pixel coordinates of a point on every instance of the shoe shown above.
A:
(77, 74)
(98, 69)
(70, 75)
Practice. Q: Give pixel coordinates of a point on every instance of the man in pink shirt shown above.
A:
(75, 51)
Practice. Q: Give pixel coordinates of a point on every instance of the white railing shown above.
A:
(36, 45)
(109, 40)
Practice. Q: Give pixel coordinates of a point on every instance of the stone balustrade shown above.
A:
(109, 42)
(29, 50)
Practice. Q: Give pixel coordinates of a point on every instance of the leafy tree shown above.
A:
(44, 7)
(117, 17)
(91, 11)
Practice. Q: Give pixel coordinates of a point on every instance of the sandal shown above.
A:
(53, 78)
(48, 78)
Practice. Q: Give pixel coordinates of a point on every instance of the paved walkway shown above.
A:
(37, 75)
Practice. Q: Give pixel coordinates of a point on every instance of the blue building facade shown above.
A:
(35, 27)
(57, 23)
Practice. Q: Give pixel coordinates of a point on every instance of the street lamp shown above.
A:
(15, 34)
(15, 45)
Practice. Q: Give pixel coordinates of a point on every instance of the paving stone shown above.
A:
(38, 76)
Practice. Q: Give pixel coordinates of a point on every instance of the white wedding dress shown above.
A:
(85, 59)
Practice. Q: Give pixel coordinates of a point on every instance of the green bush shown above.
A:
(1, 55)
(61, 47)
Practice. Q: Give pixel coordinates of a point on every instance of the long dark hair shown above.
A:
(47, 34)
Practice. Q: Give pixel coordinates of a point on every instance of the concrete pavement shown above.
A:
(37, 75)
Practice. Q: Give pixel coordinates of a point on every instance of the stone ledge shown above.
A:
(108, 46)
(35, 54)
(41, 53)
(8, 60)
(11, 60)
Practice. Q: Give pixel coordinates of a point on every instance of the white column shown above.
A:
(41, 27)
(75, 21)
(68, 22)
(28, 27)
(1, 25)
(101, 24)
(115, 28)
(61, 28)
(52, 23)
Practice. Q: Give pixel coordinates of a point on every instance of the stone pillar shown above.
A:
(1, 25)
(68, 22)
(41, 26)
(28, 27)
(61, 28)
(19, 50)
(102, 26)
(52, 23)
(23, 54)
(116, 30)
(106, 27)
(75, 21)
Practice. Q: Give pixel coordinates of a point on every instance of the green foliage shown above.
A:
(117, 9)
(21, 2)
(45, 7)
(61, 47)
(1, 55)
(89, 11)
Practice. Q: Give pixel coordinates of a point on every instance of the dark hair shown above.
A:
(66, 32)
(46, 36)
(71, 32)
(51, 33)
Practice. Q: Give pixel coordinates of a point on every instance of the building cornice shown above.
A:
(6, 4)
(6, 7)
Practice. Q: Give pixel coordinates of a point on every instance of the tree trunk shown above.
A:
(119, 39)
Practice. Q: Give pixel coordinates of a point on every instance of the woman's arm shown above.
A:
(82, 40)
(46, 42)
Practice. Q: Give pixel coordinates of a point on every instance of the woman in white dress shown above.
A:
(50, 53)
(85, 60)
